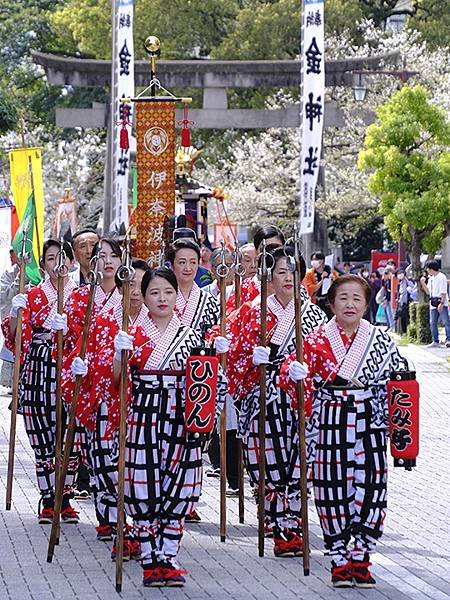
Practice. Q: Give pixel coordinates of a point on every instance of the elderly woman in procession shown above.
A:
(347, 366)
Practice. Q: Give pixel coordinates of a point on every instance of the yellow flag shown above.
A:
(24, 163)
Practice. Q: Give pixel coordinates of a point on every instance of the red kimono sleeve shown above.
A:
(35, 301)
(242, 374)
(76, 312)
(87, 394)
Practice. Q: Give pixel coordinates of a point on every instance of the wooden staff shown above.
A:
(16, 372)
(262, 405)
(94, 280)
(125, 274)
(61, 270)
(222, 272)
(238, 274)
(300, 393)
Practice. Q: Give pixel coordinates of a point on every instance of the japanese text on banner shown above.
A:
(155, 133)
(312, 107)
(124, 66)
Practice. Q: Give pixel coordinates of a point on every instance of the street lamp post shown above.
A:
(360, 80)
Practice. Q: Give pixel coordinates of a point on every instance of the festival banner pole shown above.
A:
(262, 404)
(93, 277)
(222, 272)
(16, 371)
(239, 271)
(125, 274)
(300, 394)
(61, 270)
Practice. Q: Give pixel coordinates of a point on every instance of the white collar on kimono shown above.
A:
(348, 360)
(285, 317)
(160, 341)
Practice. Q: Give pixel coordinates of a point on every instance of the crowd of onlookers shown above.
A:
(393, 289)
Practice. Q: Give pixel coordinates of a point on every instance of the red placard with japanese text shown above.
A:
(201, 391)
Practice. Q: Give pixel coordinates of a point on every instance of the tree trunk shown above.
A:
(415, 261)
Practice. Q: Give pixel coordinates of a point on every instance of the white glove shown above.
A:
(222, 344)
(260, 355)
(79, 366)
(298, 370)
(122, 341)
(59, 323)
(18, 301)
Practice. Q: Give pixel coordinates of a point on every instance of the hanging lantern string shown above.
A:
(124, 143)
(185, 131)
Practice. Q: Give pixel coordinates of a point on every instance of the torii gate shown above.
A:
(215, 78)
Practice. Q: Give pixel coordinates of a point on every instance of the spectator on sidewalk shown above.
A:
(403, 300)
(375, 284)
(437, 289)
(384, 297)
(315, 279)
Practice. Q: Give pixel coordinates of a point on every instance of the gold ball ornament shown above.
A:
(152, 44)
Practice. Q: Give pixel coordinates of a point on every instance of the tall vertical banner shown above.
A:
(123, 87)
(312, 104)
(155, 159)
(23, 183)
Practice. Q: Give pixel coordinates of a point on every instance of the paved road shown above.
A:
(412, 560)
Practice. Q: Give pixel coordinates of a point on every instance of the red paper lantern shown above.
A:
(403, 399)
(201, 391)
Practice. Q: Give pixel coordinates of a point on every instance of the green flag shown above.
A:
(27, 223)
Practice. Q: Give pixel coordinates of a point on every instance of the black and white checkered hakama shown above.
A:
(282, 502)
(349, 474)
(38, 401)
(105, 456)
(163, 465)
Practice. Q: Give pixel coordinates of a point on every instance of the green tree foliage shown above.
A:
(84, 25)
(264, 30)
(407, 152)
(358, 234)
(8, 112)
(186, 28)
(24, 26)
(432, 19)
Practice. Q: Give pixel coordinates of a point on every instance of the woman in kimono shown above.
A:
(282, 500)
(106, 294)
(251, 286)
(96, 406)
(106, 297)
(163, 462)
(348, 365)
(38, 375)
(195, 307)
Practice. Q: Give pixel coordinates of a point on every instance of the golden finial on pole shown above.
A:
(152, 46)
